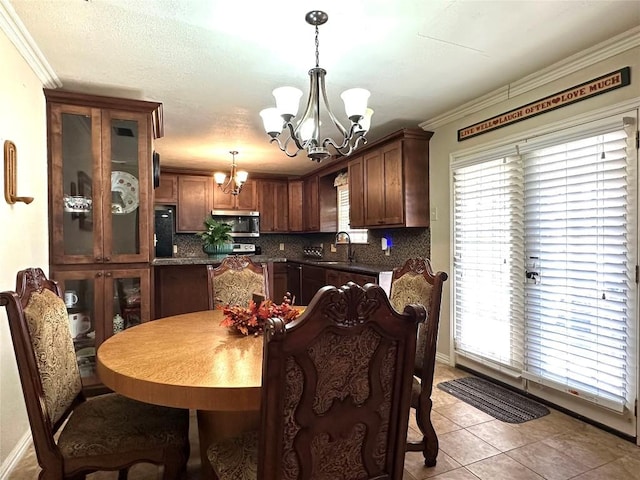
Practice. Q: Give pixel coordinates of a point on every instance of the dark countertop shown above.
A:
(344, 266)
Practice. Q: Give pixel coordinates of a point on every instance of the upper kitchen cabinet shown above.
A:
(99, 177)
(247, 199)
(389, 182)
(295, 205)
(310, 204)
(195, 199)
(273, 204)
(167, 191)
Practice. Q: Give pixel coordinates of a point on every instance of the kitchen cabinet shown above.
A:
(294, 281)
(247, 199)
(337, 278)
(101, 303)
(194, 202)
(167, 191)
(295, 205)
(277, 280)
(389, 182)
(180, 289)
(310, 204)
(383, 203)
(313, 279)
(273, 205)
(99, 178)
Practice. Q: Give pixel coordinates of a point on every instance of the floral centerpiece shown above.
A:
(250, 320)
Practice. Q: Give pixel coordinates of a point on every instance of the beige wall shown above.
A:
(24, 237)
(444, 143)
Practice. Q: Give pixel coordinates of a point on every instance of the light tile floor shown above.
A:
(474, 445)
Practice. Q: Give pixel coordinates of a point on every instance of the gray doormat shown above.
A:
(495, 400)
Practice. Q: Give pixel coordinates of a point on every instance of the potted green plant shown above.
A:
(216, 238)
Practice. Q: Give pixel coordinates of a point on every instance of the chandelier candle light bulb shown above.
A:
(305, 133)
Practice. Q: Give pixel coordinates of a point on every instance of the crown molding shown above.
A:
(17, 33)
(602, 51)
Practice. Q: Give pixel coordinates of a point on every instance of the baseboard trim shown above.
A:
(14, 457)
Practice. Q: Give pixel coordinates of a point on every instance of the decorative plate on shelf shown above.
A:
(127, 186)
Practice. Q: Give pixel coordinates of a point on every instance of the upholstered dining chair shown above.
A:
(336, 388)
(72, 435)
(415, 282)
(235, 281)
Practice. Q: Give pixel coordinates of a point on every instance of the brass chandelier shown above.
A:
(236, 180)
(305, 133)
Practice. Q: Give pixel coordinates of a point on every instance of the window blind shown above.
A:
(357, 235)
(488, 248)
(580, 291)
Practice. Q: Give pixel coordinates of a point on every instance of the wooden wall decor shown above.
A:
(602, 84)
(11, 175)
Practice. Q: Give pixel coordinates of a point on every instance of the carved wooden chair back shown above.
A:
(108, 432)
(235, 281)
(416, 282)
(336, 388)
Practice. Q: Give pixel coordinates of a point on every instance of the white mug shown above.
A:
(79, 323)
(70, 298)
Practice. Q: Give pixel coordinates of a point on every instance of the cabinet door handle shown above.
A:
(107, 259)
(98, 259)
(108, 274)
(99, 274)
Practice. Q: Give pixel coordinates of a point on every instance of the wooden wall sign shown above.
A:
(603, 84)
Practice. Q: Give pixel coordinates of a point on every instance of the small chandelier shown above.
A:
(305, 133)
(236, 178)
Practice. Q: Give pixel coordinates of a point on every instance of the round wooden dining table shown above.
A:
(189, 361)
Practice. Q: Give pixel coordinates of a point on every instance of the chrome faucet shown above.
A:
(350, 253)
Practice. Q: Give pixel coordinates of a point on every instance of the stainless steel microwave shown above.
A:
(244, 223)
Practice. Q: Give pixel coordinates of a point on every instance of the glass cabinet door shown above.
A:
(82, 293)
(127, 297)
(127, 162)
(75, 207)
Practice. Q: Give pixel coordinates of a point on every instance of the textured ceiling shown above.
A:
(214, 63)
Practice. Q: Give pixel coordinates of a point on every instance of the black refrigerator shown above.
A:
(164, 228)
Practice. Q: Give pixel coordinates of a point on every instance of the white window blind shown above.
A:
(488, 251)
(357, 235)
(545, 248)
(580, 294)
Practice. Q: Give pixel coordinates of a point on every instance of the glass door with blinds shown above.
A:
(545, 254)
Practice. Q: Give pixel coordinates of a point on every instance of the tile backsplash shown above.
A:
(407, 242)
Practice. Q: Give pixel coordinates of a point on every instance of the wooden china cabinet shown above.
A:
(100, 213)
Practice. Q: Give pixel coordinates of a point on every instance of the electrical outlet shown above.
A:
(282, 246)
(387, 252)
(333, 248)
(434, 213)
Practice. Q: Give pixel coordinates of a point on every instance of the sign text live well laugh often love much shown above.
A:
(605, 83)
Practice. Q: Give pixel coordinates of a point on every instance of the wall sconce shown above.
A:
(11, 175)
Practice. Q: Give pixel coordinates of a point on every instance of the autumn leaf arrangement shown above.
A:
(251, 320)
